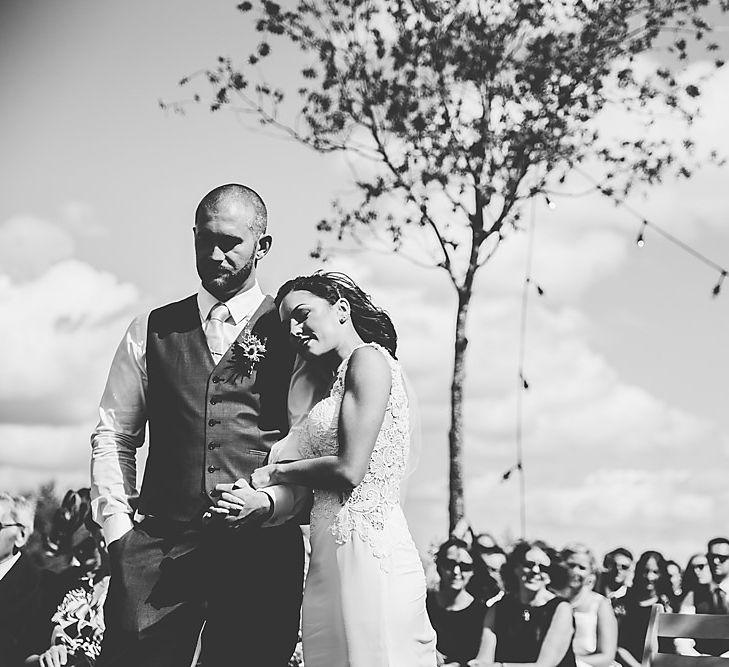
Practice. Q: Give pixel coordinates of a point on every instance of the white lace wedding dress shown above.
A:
(364, 601)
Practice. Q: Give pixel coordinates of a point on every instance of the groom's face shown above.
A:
(227, 249)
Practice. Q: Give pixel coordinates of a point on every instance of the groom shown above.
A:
(210, 375)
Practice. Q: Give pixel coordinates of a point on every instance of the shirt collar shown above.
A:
(7, 565)
(241, 305)
(724, 584)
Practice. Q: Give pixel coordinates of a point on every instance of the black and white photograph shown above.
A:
(367, 333)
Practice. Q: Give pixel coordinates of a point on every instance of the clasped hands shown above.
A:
(242, 503)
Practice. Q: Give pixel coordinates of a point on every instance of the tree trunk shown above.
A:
(456, 509)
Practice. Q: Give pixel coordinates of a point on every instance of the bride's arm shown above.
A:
(366, 392)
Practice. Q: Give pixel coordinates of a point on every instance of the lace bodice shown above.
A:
(365, 510)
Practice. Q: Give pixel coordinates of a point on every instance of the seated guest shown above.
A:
(675, 576)
(696, 576)
(712, 598)
(456, 616)
(24, 625)
(79, 589)
(489, 558)
(616, 576)
(651, 586)
(530, 625)
(596, 630)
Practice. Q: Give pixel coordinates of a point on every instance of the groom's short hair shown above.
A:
(231, 193)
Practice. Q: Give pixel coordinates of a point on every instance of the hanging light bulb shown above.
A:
(640, 241)
(524, 383)
(550, 203)
(717, 288)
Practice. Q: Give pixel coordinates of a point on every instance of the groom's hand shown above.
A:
(240, 504)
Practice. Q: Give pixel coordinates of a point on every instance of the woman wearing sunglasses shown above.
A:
(697, 575)
(456, 616)
(530, 625)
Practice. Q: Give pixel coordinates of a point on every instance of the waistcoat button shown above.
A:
(212, 469)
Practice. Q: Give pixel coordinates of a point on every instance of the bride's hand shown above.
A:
(265, 476)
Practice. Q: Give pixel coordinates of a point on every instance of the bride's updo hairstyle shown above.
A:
(372, 324)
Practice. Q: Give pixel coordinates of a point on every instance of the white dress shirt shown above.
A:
(123, 418)
(7, 565)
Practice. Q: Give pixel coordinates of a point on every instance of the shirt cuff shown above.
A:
(283, 504)
(116, 525)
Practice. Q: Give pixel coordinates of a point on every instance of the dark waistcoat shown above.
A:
(209, 424)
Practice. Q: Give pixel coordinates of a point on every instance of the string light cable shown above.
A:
(522, 383)
(645, 223)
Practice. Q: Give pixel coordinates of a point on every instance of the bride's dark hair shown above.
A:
(371, 323)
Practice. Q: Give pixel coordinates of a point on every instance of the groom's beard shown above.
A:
(228, 283)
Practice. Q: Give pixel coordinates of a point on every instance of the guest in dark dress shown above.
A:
(456, 616)
(487, 583)
(530, 624)
(651, 586)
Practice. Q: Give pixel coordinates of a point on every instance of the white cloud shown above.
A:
(78, 217)
(30, 245)
(46, 449)
(62, 320)
(613, 497)
(59, 332)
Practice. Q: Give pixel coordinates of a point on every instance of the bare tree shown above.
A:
(459, 111)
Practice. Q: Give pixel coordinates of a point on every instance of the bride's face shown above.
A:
(314, 324)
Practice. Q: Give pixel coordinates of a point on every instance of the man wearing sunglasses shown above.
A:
(617, 575)
(711, 599)
(24, 628)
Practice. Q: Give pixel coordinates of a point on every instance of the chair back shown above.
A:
(680, 626)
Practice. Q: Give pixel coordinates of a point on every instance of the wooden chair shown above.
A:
(691, 626)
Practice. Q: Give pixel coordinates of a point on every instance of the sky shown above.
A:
(625, 426)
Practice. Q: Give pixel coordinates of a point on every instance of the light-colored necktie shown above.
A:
(214, 330)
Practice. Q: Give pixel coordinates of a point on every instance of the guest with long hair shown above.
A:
(489, 559)
(530, 625)
(675, 576)
(651, 586)
(456, 615)
(696, 575)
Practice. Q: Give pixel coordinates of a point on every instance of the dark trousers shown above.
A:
(166, 580)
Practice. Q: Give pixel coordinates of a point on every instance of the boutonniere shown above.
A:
(248, 352)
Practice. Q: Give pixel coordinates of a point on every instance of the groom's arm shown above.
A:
(119, 433)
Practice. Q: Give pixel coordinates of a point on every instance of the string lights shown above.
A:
(523, 385)
(645, 223)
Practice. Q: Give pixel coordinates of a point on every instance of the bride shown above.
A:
(364, 600)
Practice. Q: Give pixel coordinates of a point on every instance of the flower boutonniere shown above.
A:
(248, 352)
